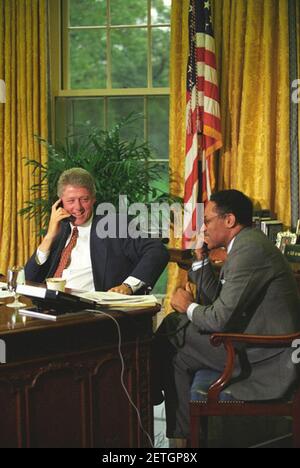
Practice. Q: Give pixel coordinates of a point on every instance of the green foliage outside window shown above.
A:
(128, 48)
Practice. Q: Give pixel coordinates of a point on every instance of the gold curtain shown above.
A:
(252, 40)
(252, 58)
(179, 55)
(23, 64)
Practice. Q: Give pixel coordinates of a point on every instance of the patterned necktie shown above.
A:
(65, 257)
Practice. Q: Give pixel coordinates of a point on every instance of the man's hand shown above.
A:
(122, 289)
(181, 300)
(58, 213)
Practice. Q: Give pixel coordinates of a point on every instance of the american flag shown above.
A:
(203, 123)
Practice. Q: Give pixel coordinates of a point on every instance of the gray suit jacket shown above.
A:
(259, 296)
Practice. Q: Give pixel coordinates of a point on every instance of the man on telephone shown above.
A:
(255, 293)
(71, 248)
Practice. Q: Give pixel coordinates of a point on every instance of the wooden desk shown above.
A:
(61, 384)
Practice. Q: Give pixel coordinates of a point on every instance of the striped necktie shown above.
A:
(65, 258)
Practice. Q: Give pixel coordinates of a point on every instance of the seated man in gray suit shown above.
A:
(256, 293)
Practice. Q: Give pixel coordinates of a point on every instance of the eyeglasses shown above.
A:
(207, 221)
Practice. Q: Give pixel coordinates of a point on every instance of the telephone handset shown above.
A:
(71, 218)
(205, 249)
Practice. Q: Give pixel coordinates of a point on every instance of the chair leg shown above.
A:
(199, 431)
(296, 433)
(204, 432)
(296, 420)
(195, 431)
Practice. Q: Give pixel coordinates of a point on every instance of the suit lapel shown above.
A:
(236, 244)
(220, 284)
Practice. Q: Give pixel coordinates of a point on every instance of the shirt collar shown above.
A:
(85, 225)
(230, 245)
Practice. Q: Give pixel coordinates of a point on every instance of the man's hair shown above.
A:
(235, 202)
(77, 177)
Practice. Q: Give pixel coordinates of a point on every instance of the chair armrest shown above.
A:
(267, 340)
(228, 340)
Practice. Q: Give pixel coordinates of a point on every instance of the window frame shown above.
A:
(58, 58)
(59, 27)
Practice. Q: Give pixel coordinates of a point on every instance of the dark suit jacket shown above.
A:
(259, 296)
(113, 260)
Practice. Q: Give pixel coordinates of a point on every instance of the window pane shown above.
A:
(160, 56)
(119, 108)
(87, 12)
(129, 58)
(158, 125)
(88, 59)
(63, 115)
(162, 182)
(128, 12)
(161, 11)
(77, 115)
(88, 113)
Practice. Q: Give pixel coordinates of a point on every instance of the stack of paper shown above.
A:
(116, 300)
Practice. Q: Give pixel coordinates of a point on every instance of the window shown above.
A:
(110, 58)
(114, 61)
(116, 44)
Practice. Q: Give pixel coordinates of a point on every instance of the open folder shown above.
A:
(117, 300)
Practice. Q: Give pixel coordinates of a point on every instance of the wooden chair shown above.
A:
(210, 398)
